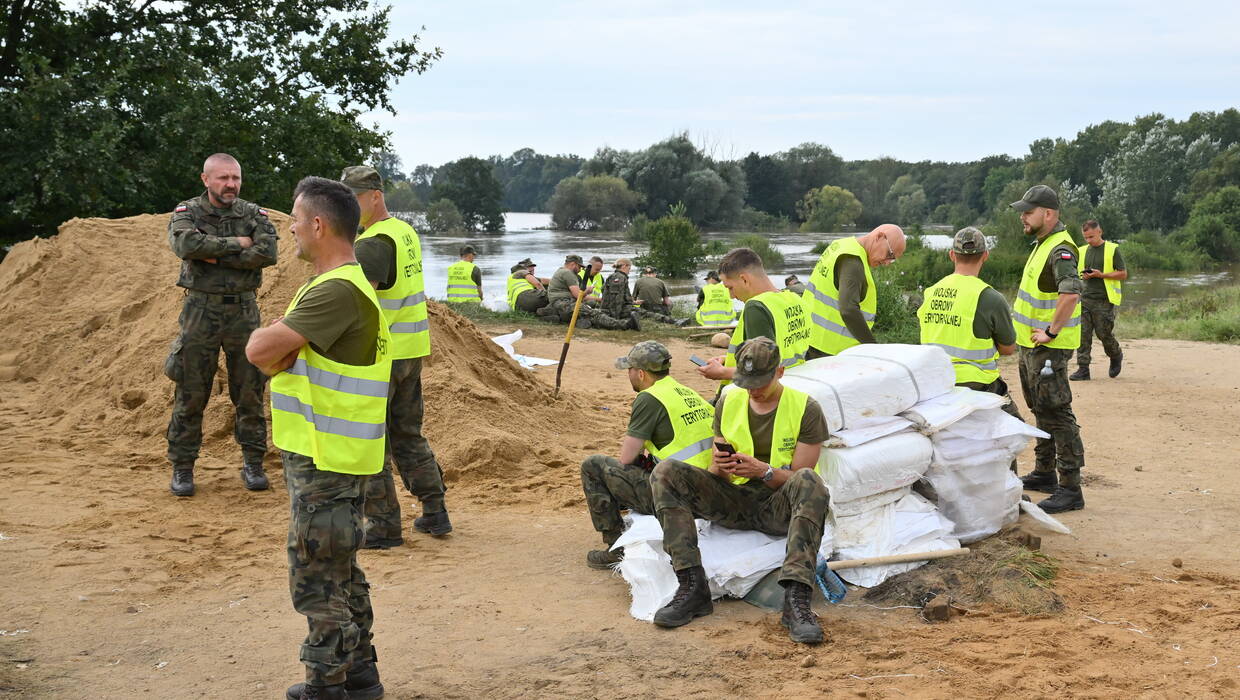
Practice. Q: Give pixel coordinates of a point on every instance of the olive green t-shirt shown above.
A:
(650, 291)
(649, 421)
(1095, 259)
(850, 280)
(560, 283)
(1060, 274)
(377, 256)
(759, 323)
(993, 318)
(762, 428)
(339, 321)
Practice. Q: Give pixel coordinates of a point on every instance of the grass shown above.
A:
(535, 326)
(1036, 568)
(1210, 315)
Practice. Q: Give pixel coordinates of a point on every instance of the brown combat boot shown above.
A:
(692, 599)
(800, 620)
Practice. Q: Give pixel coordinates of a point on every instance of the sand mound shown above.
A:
(89, 316)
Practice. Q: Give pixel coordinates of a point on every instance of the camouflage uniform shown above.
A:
(1050, 400)
(326, 584)
(409, 449)
(219, 311)
(797, 509)
(562, 303)
(611, 487)
(1097, 317)
(618, 300)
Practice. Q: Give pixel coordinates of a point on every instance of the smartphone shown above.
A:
(697, 361)
(725, 447)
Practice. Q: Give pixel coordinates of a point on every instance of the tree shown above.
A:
(529, 178)
(388, 165)
(590, 203)
(908, 200)
(675, 244)
(1214, 225)
(828, 209)
(472, 187)
(399, 196)
(1148, 176)
(109, 107)
(443, 218)
(768, 181)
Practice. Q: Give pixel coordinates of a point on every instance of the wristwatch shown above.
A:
(770, 474)
(1049, 334)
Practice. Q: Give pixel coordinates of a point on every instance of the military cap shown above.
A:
(647, 270)
(573, 259)
(649, 355)
(467, 250)
(1037, 196)
(361, 178)
(516, 267)
(756, 362)
(527, 263)
(712, 275)
(790, 279)
(969, 241)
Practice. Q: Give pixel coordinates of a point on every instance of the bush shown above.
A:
(828, 209)
(443, 218)
(1209, 315)
(639, 229)
(592, 203)
(675, 245)
(401, 197)
(753, 220)
(771, 257)
(1149, 250)
(896, 313)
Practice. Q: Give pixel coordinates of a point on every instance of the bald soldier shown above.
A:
(841, 297)
(224, 243)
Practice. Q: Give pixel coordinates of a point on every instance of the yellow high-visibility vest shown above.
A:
(1035, 308)
(829, 333)
(692, 419)
(404, 304)
(734, 424)
(333, 413)
(716, 306)
(1115, 288)
(461, 287)
(791, 327)
(515, 287)
(946, 317)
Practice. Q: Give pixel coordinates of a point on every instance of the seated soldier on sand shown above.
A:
(763, 479)
(669, 420)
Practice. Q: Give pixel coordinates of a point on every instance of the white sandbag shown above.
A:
(937, 413)
(949, 447)
(874, 467)
(864, 430)
(911, 524)
(858, 506)
(867, 381)
(1043, 518)
(979, 494)
(992, 423)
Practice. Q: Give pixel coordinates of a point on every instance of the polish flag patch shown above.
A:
(181, 209)
(262, 211)
(1065, 255)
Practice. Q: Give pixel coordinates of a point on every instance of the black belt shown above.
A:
(237, 298)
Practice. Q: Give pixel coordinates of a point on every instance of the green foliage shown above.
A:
(592, 203)
(639, 229)
(828, 209)
(529, 179)
(754, 220)
(675, 245)
(908, 200)
(896, 313)
(1150, 250)
(443, 218)
(472, 187)
(771, 257)
(110, 107)
(1214, 225)
(1209, 315)
(399, 196)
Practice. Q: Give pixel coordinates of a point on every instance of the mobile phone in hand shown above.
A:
(697, 361)
(725, 447)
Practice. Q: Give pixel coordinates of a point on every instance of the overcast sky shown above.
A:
(913, 80)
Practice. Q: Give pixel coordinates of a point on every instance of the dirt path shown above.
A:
(112, 588)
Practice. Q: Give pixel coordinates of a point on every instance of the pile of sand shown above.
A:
(90, 315)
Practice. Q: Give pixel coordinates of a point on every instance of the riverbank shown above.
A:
(1208, 315)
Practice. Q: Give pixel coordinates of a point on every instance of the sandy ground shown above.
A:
(112, 588)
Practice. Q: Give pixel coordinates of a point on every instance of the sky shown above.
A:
(915, 81)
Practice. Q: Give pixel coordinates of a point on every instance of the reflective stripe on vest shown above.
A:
(734, 424)
(404, 304)
(515, 287)
(716, 309)
(333, 413)
(1115, 288)
(791, 327)
(692, 418)
(1034, 308)
(946, 317)
(461, 287)
(592, 288)
(829, 332)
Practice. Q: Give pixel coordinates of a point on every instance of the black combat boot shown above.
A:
(801, 622)
(604, 559)
(1046, 482)
(362, 680)
(433, 523)
(1064, 499)
(253, 477)
(305, 691)
(1117, 363)
(373, 541)
(635, 320)
(182, 482)
(1080, 375)
(692, 599)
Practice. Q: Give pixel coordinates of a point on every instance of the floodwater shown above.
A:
(527, 236)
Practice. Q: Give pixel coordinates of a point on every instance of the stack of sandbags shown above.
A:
(911, 524)
(873, 473)
(970, 472)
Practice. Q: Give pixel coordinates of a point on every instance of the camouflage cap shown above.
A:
(361, 178)
(573, 259)
(1037, 196)
(468, 250)
(790, 279)
(527, 263)
(516, 267)
(757, 360)
(648, 355)
(712, 275)
(647, 270)
(969, 241)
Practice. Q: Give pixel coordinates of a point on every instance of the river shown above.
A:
(527, 236)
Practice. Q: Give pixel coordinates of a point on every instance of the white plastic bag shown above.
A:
(874, 467)
(911, 524)
(937, 413)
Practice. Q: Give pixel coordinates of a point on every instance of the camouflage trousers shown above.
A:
(531, 300)
(1050, 400)
(324, 580)
(797, 509)
(1097, 318)
(409, 450)
(562, 309)
(659, 312)
(611, 487)
(208, 324)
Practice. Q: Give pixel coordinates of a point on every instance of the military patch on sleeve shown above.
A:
(262, 211)
(180, 209)
(1065, 255)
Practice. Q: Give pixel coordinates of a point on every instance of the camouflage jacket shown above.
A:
(617, 299)
(198, 232)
